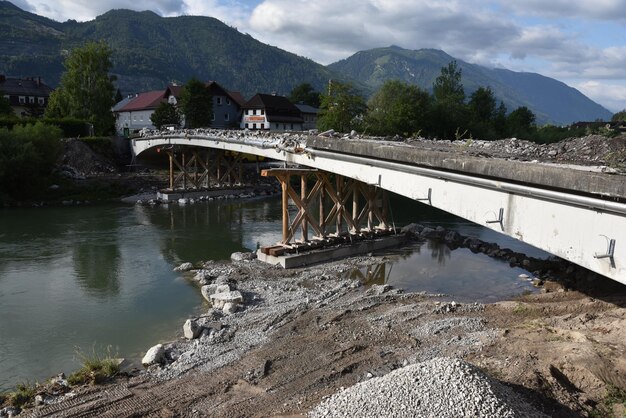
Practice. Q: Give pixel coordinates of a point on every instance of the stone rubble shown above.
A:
(441, 387)
(155, 355)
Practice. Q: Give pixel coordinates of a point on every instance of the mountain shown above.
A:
(150, 51)
(551, 100)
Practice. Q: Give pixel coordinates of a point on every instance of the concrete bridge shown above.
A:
(577, 213)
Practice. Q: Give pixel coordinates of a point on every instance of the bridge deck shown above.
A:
(589, 180)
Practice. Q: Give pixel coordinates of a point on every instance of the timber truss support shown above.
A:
(334, 208)
(202, 169)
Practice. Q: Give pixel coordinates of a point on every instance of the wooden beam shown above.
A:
(269, 172)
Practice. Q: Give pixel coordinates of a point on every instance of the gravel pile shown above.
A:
(441, 387)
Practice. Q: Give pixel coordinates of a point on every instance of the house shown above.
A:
(226, 106)
(27, 96)
(271, 112)
(309, 115)
(133, 114)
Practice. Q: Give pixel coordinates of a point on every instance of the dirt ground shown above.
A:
(304, 334)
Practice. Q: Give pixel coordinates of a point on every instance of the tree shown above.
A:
(118, 96)
(5, 106)
(398, 109)
(196, 104)
(482, 109)
(450, 112)
(305, 93)
(619, 116)
(86, 90)
(500, 122)
(521, 121)
(448, 88)
(165, 114)
(340, 108)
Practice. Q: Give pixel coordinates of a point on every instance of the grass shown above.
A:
(96, 367)
(23, 395)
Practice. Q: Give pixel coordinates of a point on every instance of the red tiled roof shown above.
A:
(144, 101)
(237, 97)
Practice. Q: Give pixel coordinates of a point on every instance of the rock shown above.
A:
(229, 308)
(203, 277)
(191, 329)
(453, 237)
(184, 267)
(9, 412)
(220, 299)
(524, 276)
(183, 201)
(211, 289)
(54, 187)
(412, 229)
(379, 289)
(155, 355)
(239, 256)
(38, 400)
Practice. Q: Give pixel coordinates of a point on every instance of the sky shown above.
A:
(579, 42)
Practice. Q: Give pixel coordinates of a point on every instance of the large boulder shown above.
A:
(220, 299)
(155, 355)
(184, 267)
(213, 288)
(238, 256)
(191, 329)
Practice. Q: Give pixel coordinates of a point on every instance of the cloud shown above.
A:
(83, 10)
(328, 30)
(613, 10)
(613, 96)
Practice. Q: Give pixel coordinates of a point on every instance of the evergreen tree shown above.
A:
(305, 93)
(5, 106)
(118, 96)
(482, 109)
(341, 108)
(196, 104)
(521, 122)
(619, 116)
(450, 112)
(86, 90)
(165, 114)
(398, 108)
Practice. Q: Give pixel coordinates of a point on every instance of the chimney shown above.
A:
(38, 81)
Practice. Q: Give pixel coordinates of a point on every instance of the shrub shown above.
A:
(23, 395)
(97, 368)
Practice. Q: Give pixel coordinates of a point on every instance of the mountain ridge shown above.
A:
(551, 100)
(150, 51)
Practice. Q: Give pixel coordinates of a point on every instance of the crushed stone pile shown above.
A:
(79, 160)
(440, 387)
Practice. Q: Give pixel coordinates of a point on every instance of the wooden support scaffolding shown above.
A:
(345, 203)
(203, 169)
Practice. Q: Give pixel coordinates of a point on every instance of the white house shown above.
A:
(271, 112)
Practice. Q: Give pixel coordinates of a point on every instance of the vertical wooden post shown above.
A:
(305, 226)
(195, 169)
(322, 214)
(372, 203)
(385, 211)
(355, 205)
(184, 173)
(284, 183)
(340, 208)
(171, 154)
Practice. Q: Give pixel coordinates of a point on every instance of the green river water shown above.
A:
(97, 276)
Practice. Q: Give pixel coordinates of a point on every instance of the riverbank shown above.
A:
(302, 335)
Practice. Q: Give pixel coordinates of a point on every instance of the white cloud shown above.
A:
(584, 9)
(84, 10)
(612, 96)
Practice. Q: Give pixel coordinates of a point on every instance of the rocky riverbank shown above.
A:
(274, 342)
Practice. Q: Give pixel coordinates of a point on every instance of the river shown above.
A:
(80, 279)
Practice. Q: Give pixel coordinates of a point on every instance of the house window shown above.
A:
(276, 126)
(213, 116)
(31, 100)
(135, 118)
(219, 101)
(262, 111)
(254, 126)
(227, 116)
(292, 126)
(228, 101)
(22, 99)
(40, 100)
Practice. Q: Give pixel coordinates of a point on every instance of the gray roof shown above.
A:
(121, 103)
(305, 108)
